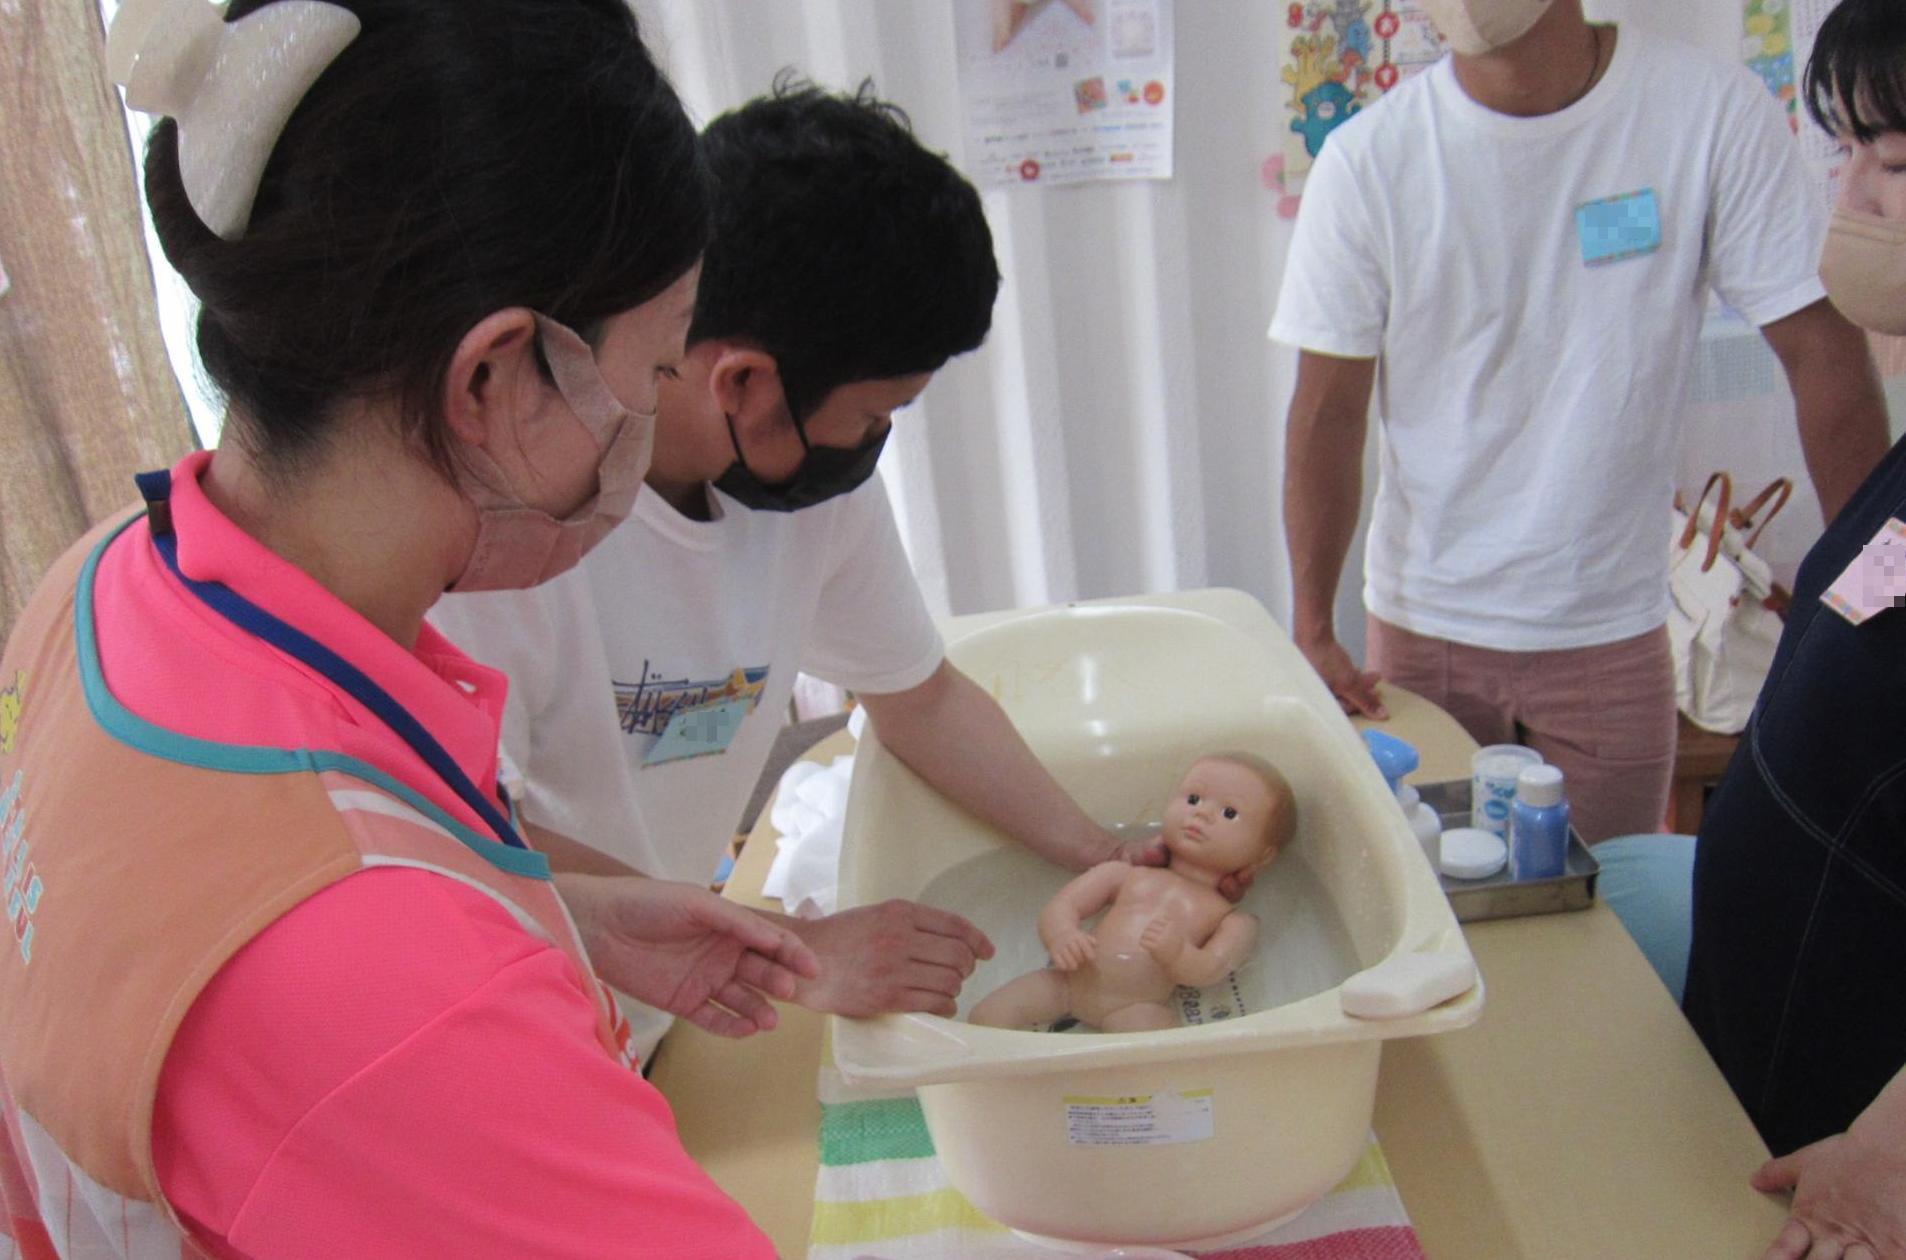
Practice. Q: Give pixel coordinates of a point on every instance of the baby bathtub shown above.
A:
(1195, 1136)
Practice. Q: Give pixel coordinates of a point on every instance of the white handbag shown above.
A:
(1725, 609)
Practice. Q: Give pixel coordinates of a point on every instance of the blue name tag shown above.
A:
(1619, 227)
(699, 732)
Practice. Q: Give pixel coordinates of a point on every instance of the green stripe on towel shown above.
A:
(860, 1132)
(1371, 1173)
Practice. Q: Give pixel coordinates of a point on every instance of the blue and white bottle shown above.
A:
(1538, 825)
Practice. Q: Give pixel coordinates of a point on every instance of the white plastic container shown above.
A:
(1492, 785)
(1195, 1136)
(1424, 822)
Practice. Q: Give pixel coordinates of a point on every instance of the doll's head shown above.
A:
(1230, 812)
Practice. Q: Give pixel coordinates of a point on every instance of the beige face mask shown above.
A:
(519, 546)
(1475, 27)
(1864, 269)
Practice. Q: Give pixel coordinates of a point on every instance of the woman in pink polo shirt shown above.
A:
(284, 979)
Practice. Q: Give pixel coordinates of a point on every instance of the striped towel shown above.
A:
(881, 1192)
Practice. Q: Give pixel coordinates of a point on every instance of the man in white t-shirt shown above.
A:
(847, 264)
(1514, 252)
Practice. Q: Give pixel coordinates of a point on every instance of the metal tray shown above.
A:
(1501, 896)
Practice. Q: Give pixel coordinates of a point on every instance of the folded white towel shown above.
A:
(810, 806)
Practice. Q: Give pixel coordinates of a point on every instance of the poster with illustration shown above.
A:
(1796, 23)
(1767, 45)
(1065, 91)
(1335, 58)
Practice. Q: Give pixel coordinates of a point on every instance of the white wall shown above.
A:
(1121, 430)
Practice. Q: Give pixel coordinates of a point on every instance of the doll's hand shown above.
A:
(1073, 950)
(1163, 940)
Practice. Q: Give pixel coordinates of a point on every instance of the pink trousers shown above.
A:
(1603, 714)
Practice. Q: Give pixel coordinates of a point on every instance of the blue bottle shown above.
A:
(1394, 757)
(1538, 825)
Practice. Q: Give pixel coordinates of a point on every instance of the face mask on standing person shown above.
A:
(1864, 270)
(1475, 27)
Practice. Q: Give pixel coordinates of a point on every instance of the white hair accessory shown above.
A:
(230, 87)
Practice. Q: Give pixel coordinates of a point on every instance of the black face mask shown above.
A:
(825, 472)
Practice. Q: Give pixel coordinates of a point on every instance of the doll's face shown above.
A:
(1219, 817)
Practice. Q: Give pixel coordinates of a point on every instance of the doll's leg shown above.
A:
(1139, 1017)
(1032, 1001)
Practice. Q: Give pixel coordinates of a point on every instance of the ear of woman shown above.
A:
(494, 377)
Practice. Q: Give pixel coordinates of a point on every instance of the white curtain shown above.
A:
(1121, 430)
(1118, 431)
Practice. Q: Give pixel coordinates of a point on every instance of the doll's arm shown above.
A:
(1230, 945)
(1083, 897)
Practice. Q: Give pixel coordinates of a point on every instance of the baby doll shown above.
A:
(1168, 925)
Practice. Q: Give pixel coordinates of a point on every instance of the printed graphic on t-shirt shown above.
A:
(12, 705)
(21, 879)
(704, 730)
(646, 707)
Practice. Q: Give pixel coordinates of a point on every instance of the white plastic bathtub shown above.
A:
(1192, 1136)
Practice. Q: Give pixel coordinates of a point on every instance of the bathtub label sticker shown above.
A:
(1162, 1119)
(1223, 1000)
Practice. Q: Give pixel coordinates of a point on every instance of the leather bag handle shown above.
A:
(1726, 484)
(1748, 517)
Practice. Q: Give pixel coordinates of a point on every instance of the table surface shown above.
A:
(1579, 1118)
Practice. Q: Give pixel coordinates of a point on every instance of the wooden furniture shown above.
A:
(1580, 1118)
(1700, 758)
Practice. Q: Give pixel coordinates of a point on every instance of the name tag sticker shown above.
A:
(1875, 581)
(701, 731)
(1615, 228)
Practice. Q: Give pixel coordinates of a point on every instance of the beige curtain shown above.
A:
(87, 397)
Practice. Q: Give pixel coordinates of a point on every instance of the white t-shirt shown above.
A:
(1530, 402)
(668, 613)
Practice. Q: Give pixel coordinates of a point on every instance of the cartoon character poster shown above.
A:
(1336, 58)
(1062, 91)
(1767, 44)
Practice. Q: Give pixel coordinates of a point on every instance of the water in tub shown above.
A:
(1303, 948)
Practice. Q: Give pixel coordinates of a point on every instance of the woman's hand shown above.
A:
(1849, 1198)
(1148, 850)
(686, 951)
(1151, 850)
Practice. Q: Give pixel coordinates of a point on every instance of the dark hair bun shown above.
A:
(459, 157)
